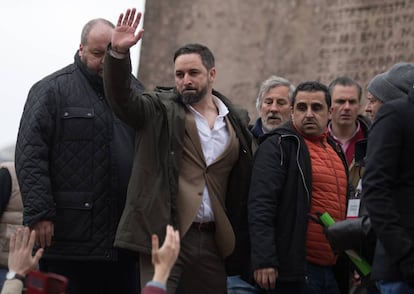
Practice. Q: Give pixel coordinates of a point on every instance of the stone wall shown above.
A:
(300, 40)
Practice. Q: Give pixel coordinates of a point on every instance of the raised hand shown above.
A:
(164, 258)
(21, 245)
(124, 36)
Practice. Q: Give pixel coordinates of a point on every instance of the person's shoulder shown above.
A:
(165, 92)
(235, 110)
(67, 70)
(285, 131)
(4, 174)
(365, 122)
(48, 81)
(137, 84)
(396, 107)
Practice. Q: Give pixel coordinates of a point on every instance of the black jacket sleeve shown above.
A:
(387, 182)
(34, 141)
(267, 181)
(5, 188)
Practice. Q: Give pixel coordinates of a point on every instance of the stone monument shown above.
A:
(300, 40)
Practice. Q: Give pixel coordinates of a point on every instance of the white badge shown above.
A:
(353, 208)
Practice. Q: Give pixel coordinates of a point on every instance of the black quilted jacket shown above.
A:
(73, 160)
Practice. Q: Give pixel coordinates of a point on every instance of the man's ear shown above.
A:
(80, 49)
(212, 74)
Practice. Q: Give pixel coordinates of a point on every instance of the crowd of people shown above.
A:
(106, 170)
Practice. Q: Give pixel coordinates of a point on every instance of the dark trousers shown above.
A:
(100, 277)
(320, 280)
(286, 288)
(199, 268)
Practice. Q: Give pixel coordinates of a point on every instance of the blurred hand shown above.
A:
(21, 245)
(124, 36)
(266, 277)
(356, 279)
(44, 233)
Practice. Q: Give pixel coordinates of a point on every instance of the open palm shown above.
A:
(124, 36)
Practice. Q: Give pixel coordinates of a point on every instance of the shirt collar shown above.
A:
(350, 138)
(222, 108)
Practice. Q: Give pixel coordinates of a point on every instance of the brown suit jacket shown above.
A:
(195, 174)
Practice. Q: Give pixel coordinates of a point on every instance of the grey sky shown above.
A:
(38, 38)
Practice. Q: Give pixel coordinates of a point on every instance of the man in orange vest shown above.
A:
(299, 172)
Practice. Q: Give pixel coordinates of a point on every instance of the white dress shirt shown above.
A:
(213, 142)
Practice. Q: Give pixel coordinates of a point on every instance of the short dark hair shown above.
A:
(206, 55)
(312, 86)
(346, 82)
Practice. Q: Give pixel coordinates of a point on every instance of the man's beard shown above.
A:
(267, 127)
(97, 71)
(191, 98)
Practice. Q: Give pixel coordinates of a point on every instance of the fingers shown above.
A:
(260, 280)
(155, 242)
(172, 240)
(131, 17)
(155, 249)
(137, 20)
(26, 234)
(32, 238)
(13, 237)
(38, 255)
(177, 239)
(19, 242)
(49, 233)
(272, 279)
(169, 235)
(265, 278)
(121, 16)
(125, 20)
(44, 233)
(175, 235)
(42, 237)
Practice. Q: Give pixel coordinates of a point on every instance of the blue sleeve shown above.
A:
(157, 285)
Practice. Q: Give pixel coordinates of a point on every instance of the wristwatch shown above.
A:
(13, 275)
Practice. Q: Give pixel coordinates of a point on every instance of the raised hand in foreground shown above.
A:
(164, 258)
(21, 245)
(124, 36)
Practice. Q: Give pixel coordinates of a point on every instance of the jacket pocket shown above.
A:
(77, 123)
(73, 216)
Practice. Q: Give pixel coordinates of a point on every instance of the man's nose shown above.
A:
(309, 112)
(274, 107)
(347, 104)
(187, 79)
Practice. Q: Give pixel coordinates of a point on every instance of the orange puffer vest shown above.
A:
(329, 188)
